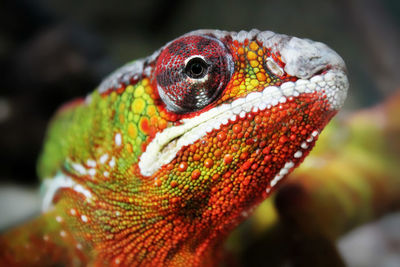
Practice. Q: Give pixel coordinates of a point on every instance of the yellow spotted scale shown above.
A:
(171, 152)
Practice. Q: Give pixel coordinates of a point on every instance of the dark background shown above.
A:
(52, 51)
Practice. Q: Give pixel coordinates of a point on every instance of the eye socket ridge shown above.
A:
(196, 67)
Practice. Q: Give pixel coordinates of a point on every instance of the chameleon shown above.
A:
(171, 152)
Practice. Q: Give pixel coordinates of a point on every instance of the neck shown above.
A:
(171, 232)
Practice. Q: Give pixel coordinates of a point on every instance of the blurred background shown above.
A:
(52, 51)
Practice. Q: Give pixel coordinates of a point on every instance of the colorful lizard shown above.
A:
(172, 152)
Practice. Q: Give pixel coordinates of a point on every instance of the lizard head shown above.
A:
(229, 115)
(242, 110)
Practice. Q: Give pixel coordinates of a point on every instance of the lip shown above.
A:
(163, 148)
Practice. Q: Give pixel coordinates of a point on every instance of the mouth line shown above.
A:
(166, 144)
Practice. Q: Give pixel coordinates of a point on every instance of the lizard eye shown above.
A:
(191, 72)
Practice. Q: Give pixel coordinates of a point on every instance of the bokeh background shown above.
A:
(52, 51)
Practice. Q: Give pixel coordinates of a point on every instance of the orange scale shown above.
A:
(154, 121)
(226, 190)
(225, 143)
(196, 157)
(237, 128)
(254, 46)
(196, 174)
(193, 148)
(227, 175)
(246, 165)
(144, 125)
(182, 166)
(257, 119)
(235, 147)
(240, 135)
(267, 158)
(173, 184)
(243, 155)
(208, 163)
(246, 124)
(218, 153)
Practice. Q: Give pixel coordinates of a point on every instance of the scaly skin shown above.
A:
(159, 164)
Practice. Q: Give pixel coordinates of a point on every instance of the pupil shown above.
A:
(196, 68)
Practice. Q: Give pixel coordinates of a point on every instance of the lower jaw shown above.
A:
(256, 153)
(269, 146)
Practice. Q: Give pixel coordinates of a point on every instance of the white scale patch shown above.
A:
(118, 139)
(61, 181)
(298, 154)
(91, 163)
(103, 158)
(79, 168)
(84, 218)
(286, 169)
(51, 185)
(163, 148)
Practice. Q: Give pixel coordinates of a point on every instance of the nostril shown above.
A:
(323, 70)
(304, 58)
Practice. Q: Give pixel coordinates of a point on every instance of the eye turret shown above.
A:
(192, 71)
